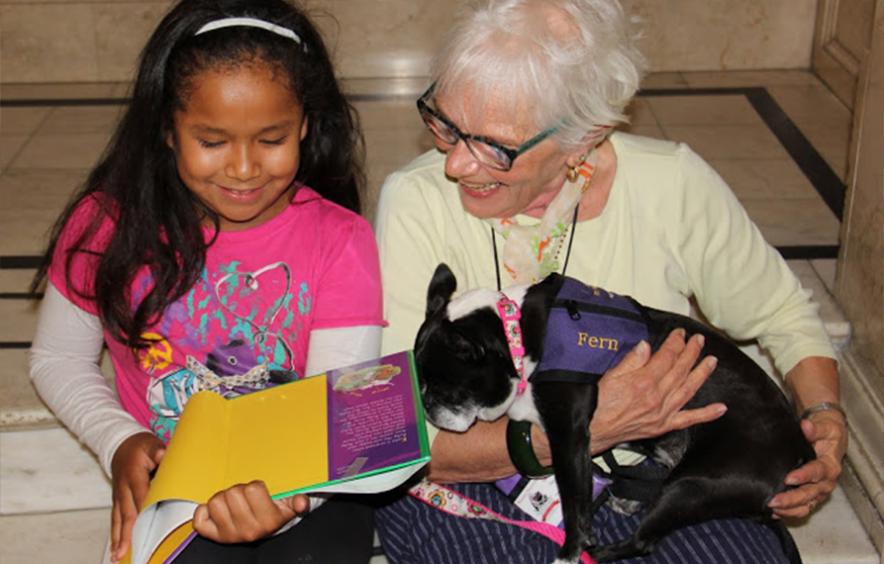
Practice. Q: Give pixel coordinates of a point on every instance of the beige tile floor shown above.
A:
(46, 151)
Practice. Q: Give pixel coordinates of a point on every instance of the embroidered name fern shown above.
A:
(595, 342)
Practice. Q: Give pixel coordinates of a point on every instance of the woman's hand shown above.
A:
(245, 513)
(827, 432)
(134, 461)
(644, 394)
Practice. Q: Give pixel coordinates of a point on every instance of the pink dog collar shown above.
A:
(510, 316)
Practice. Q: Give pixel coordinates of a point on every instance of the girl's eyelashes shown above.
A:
(210, 144)
(278, 141)
(213, 144)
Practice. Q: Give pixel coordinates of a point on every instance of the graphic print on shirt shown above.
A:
(232, 334)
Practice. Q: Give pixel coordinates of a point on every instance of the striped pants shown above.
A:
(414, 533)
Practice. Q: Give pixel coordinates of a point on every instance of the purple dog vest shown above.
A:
(589, 330)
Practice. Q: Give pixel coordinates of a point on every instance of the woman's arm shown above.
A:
(814, 382)
(744, 287)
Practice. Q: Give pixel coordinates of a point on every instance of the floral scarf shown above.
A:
(531, 252)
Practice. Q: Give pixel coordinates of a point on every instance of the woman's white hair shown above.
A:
(570, 63)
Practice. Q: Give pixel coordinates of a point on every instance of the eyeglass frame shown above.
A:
(510, 152)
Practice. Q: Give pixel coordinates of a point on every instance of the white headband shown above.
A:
(249, 22)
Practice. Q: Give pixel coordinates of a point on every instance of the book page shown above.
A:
(372, 418)
(279, 435)
(195, 449)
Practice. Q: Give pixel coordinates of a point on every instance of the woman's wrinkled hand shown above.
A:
(644, 394)
(133, 463)
(827, 432)
(245, 513)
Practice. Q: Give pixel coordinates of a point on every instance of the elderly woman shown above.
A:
(528, 179)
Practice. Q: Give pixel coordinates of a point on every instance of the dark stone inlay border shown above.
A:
(809, 252)
(14, 345)
(63, 102)
(19, 262)
(21, 295)
(821, 176)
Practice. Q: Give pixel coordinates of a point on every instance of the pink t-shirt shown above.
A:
(245, 325)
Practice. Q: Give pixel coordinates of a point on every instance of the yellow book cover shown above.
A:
(362, 425)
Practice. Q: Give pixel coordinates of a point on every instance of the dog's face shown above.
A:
(463, 360)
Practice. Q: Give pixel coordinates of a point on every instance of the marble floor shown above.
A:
(779, 138)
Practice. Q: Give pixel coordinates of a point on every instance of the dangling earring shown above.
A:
(574, 171)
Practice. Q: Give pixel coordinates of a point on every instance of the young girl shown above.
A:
(215, 246)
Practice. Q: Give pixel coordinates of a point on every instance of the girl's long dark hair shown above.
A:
(136, 185)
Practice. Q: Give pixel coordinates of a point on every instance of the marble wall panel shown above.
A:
(52, 41)
(47, 42)
(121, 31)
(860, 286)
(853, 28)
(394, 38)
(725, 35)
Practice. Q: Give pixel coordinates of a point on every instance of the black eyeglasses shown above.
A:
(487, 151)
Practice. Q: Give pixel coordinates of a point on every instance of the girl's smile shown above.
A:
(237, 143)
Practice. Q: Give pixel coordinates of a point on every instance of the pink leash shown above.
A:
(510, 314)
(454, 503)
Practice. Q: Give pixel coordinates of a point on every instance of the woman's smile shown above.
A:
(475, 190)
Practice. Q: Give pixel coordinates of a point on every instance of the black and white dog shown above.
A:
(730, 467)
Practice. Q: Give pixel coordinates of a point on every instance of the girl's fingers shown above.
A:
(116, 526)
(219, 513)
(299, 504)
(247, 522)
(125, 513)
(241, 513)
(203, 524)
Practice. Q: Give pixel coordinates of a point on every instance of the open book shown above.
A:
(358, 429)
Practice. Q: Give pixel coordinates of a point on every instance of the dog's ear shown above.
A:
(442, 287)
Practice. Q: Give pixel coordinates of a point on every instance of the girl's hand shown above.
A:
(644, 394)
(827, 432)
(134, 461)
(245, 513)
